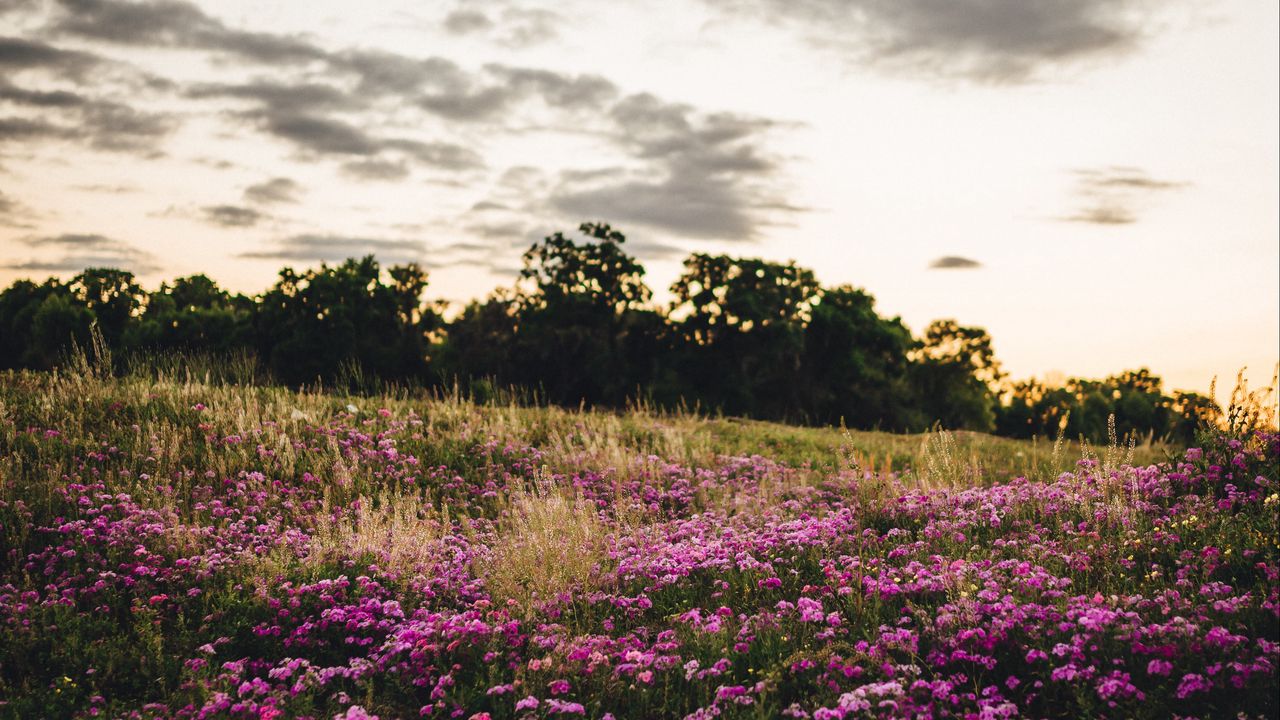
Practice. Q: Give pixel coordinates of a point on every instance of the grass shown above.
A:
(176, 539)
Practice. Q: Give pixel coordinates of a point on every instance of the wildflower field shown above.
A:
(174, 547)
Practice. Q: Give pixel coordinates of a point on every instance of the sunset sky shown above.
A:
(1095, 182)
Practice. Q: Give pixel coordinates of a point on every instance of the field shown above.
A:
(174, 547)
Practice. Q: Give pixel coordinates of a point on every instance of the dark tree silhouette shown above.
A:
(742, 336)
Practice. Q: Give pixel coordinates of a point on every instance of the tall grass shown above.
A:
(549, 543)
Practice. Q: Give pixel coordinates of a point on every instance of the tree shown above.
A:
(311, 326)
(113, 296)
(855, 363)
(573, 317)
(597, 276)
(193, 315)
(953, 372)
(741, 323)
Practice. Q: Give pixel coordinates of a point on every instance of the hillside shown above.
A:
(176, 548)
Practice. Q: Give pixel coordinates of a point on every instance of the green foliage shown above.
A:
(742, 337)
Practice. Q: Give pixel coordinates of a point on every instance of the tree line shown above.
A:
(741, 336)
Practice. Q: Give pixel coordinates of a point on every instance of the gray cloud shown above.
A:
(281, 97)
(77, 251)
(232, 216)
(383, 170)
(463, 22)
(335, 248)
(169, 23)
(1104, 214)
(525, 27)
(506, 24)
(19, 54)
(555, 89)
(454, 94)
(439, 154)
(113, 126)
(303, 113)
(684, 171)
(689, 206)
(1122, 177)
(40, 98)
(13, 212)
(382, 73)
(706, 176)
(985, 40)
(107, 188)
(19, 128)
(101, 124)
(1113, 195)
(273, 191)
(954, 262)
(467, 103)
(319, 134)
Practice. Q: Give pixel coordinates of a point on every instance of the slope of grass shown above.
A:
(179, 548)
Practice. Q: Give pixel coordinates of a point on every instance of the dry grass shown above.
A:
(548, 544)
(400, 531)
(942, 465)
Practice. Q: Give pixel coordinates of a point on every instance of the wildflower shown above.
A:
(1191, 684)
(560, 707)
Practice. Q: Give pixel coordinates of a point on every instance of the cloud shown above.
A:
(555, 89)
(954, 262)
(1104, 214)
(232, 216)
(1112, 195)
(704, 175)
(437, 154)
(100, 124)
(274, 191)
(319, 134)
(19, 128)
(107, 188)
(13, 212)
(465, 22)
(118, 127)
(303, 114)
(1123, 177)
(40, 98)
(674, 169)
(170, 23)
(383, 170)
(281, 97)
(17, 54)
(1000, 41)
(77, 251)
(525, 27)
(510, 25)
(335, 248)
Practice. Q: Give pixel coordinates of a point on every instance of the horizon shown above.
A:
(1094, 183)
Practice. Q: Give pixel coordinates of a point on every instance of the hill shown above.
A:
(180, 548)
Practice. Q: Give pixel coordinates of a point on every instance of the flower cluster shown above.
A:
(274, 571)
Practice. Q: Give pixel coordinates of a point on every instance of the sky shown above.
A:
(1095, 182)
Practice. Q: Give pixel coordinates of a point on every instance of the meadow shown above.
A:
(179, 546)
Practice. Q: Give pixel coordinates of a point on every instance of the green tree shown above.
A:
(953, 373)
(855, 363)
(741, 325)
(310, 326)
(576, 314)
